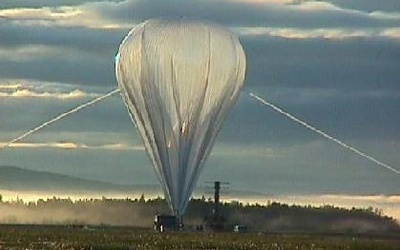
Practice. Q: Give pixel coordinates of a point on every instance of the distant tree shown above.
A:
(142, 199)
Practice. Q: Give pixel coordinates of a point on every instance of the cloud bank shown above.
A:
(332, 63)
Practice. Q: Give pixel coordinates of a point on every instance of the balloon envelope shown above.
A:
(178, 79)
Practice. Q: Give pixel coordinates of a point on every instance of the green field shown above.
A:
(64, 237)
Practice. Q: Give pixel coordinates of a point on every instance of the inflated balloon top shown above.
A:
(179, 78)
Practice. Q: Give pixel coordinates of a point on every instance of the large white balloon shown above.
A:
(179, 79)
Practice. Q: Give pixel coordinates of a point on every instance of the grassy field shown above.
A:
(63, 237)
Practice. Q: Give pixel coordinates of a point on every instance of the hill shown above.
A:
(19, 179)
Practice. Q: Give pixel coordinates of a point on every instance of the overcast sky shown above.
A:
(334, 64)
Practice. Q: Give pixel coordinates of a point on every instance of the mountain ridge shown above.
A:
(14, 178)
(17, 178)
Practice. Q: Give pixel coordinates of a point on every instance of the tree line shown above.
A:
(273, 217)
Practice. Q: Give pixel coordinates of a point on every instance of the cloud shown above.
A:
(394, 32)
(26, 93)
(63, 45)
(340, 114)
(40, 13)
(304, 14)
(6, 4)
(19, 34)
(368, 5)
(227, 150)
(27, 53)
(74, 146)
(311, 6)
(60, 145)
(356, 64)
(332, 63)
(110, 116)
(17, 90)
(80, 56)
(273, 13)
(76, 16)
(321, 33)
(10, 86)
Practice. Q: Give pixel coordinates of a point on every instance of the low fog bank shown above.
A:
(387, 205)
(91, 211)
(139, 212)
